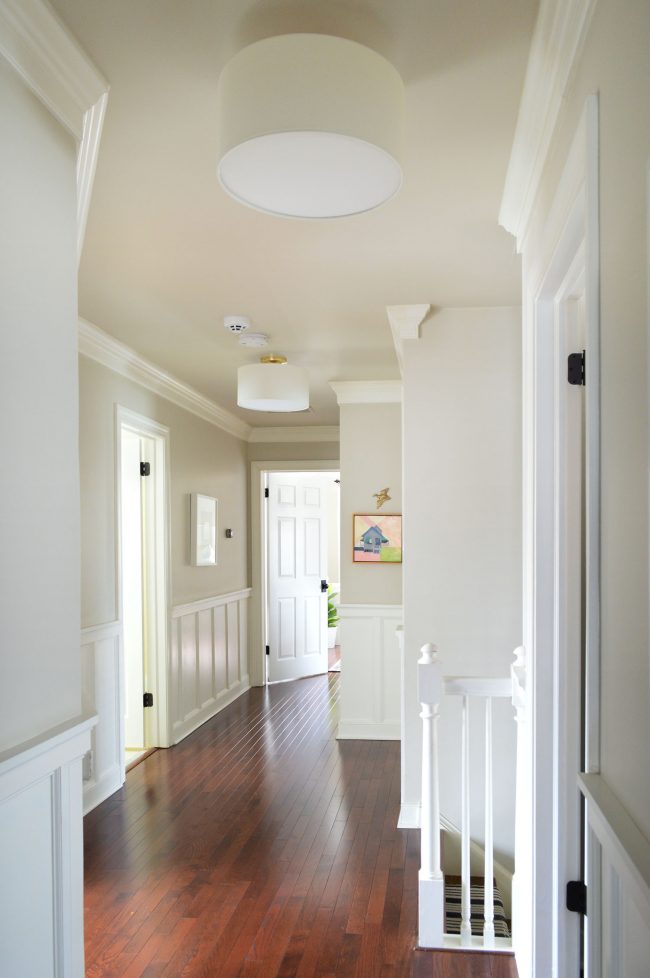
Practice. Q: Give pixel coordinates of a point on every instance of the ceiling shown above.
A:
(167, 253)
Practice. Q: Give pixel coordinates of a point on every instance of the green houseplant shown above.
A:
(332, 617)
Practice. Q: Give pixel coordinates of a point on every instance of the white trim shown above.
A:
(557, 42)
(99, 346)
(626, 846)
(49, 60)
(195, 720)
(367, 391)
(50, 762)
(409, 816)
(405, 322)
(477, 686)
(203, 604)
(64, 738)
(87, 164)
(101, 674)
(395, 611)
(565, 254)
(257, 656)
(365, 730)
(159, 665)
(305, 433)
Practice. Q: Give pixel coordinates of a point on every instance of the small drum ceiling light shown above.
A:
(310, 126)
(272, 385)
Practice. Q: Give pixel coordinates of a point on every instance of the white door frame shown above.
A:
(257, 656)
(159, 664)
(568, 249)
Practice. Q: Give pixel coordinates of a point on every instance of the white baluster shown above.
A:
(465, 925)
(488, 914)
(431, 889)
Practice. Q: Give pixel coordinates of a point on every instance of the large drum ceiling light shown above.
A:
(310, 126)
(272, 385)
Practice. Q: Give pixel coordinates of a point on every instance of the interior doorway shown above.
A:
(301, 531)
(142, 453)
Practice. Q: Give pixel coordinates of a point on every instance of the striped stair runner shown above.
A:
(477, 890)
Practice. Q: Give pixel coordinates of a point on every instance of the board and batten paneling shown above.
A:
(209, 658)
(101, 679)
(370, 672)
(41, 855)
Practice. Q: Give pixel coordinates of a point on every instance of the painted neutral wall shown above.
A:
(371, 459)
(615, 64)
(40, 683)
(462, 502)
(292, 451)
(202, 459)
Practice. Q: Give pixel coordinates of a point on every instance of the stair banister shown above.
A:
(431, 885)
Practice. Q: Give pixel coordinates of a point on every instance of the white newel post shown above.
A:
(431, 903)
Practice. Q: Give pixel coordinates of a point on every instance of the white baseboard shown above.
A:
(363, 730)
(97, 791)
(409, 816)
(210, 709)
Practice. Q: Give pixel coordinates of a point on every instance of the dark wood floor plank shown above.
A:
(262, 847)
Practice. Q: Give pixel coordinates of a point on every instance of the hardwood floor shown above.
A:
(260, 847)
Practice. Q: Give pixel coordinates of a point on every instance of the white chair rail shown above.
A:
(432, 686)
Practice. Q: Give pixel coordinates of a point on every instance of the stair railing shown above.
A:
(432, 685)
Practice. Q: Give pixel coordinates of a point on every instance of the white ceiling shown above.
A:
(168, 253)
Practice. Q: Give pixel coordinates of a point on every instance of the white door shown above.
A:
(297, 575)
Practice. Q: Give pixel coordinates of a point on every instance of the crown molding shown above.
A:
(99, 346)
(367, 391)
(304, 433)
(49, 60)
(405, 322)
(556, 45)
(87, 163)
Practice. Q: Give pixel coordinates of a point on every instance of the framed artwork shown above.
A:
(377, 538)
(203, 523)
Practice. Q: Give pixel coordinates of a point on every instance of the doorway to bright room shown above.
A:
(301, 561)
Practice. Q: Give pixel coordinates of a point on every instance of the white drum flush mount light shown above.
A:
(272, 385)
(310, 126)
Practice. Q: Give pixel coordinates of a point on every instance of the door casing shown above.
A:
(158, 722)
(257, 653)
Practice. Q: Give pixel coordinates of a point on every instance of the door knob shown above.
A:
(323, 586)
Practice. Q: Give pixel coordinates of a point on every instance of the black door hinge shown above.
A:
(147, 699)
(266, 493)
(145, 468)
(268, 649)
(576, 369)
(576, 896)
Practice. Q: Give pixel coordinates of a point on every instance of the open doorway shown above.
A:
(261, 472)
(301, 531)
(142, 453)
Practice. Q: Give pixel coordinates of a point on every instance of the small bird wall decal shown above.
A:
(382, 496)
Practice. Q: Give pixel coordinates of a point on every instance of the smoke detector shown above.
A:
(236, 324)
(254, 339)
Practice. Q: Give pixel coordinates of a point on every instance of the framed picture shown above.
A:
(377, 538)
(203, 522)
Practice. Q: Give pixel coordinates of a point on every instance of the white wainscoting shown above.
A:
(618, 890)
(370, 672)
(41, 854)
(209, 658)
(101, 678)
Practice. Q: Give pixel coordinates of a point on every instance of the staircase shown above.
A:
(458, 911)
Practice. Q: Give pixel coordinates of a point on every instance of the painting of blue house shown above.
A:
(372, 540)
(377, 538)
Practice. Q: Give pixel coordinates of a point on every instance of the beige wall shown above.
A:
(371, 459)
(40, 681)
(293, 451)
(203, 459)
(615, 63)
(462, 500)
